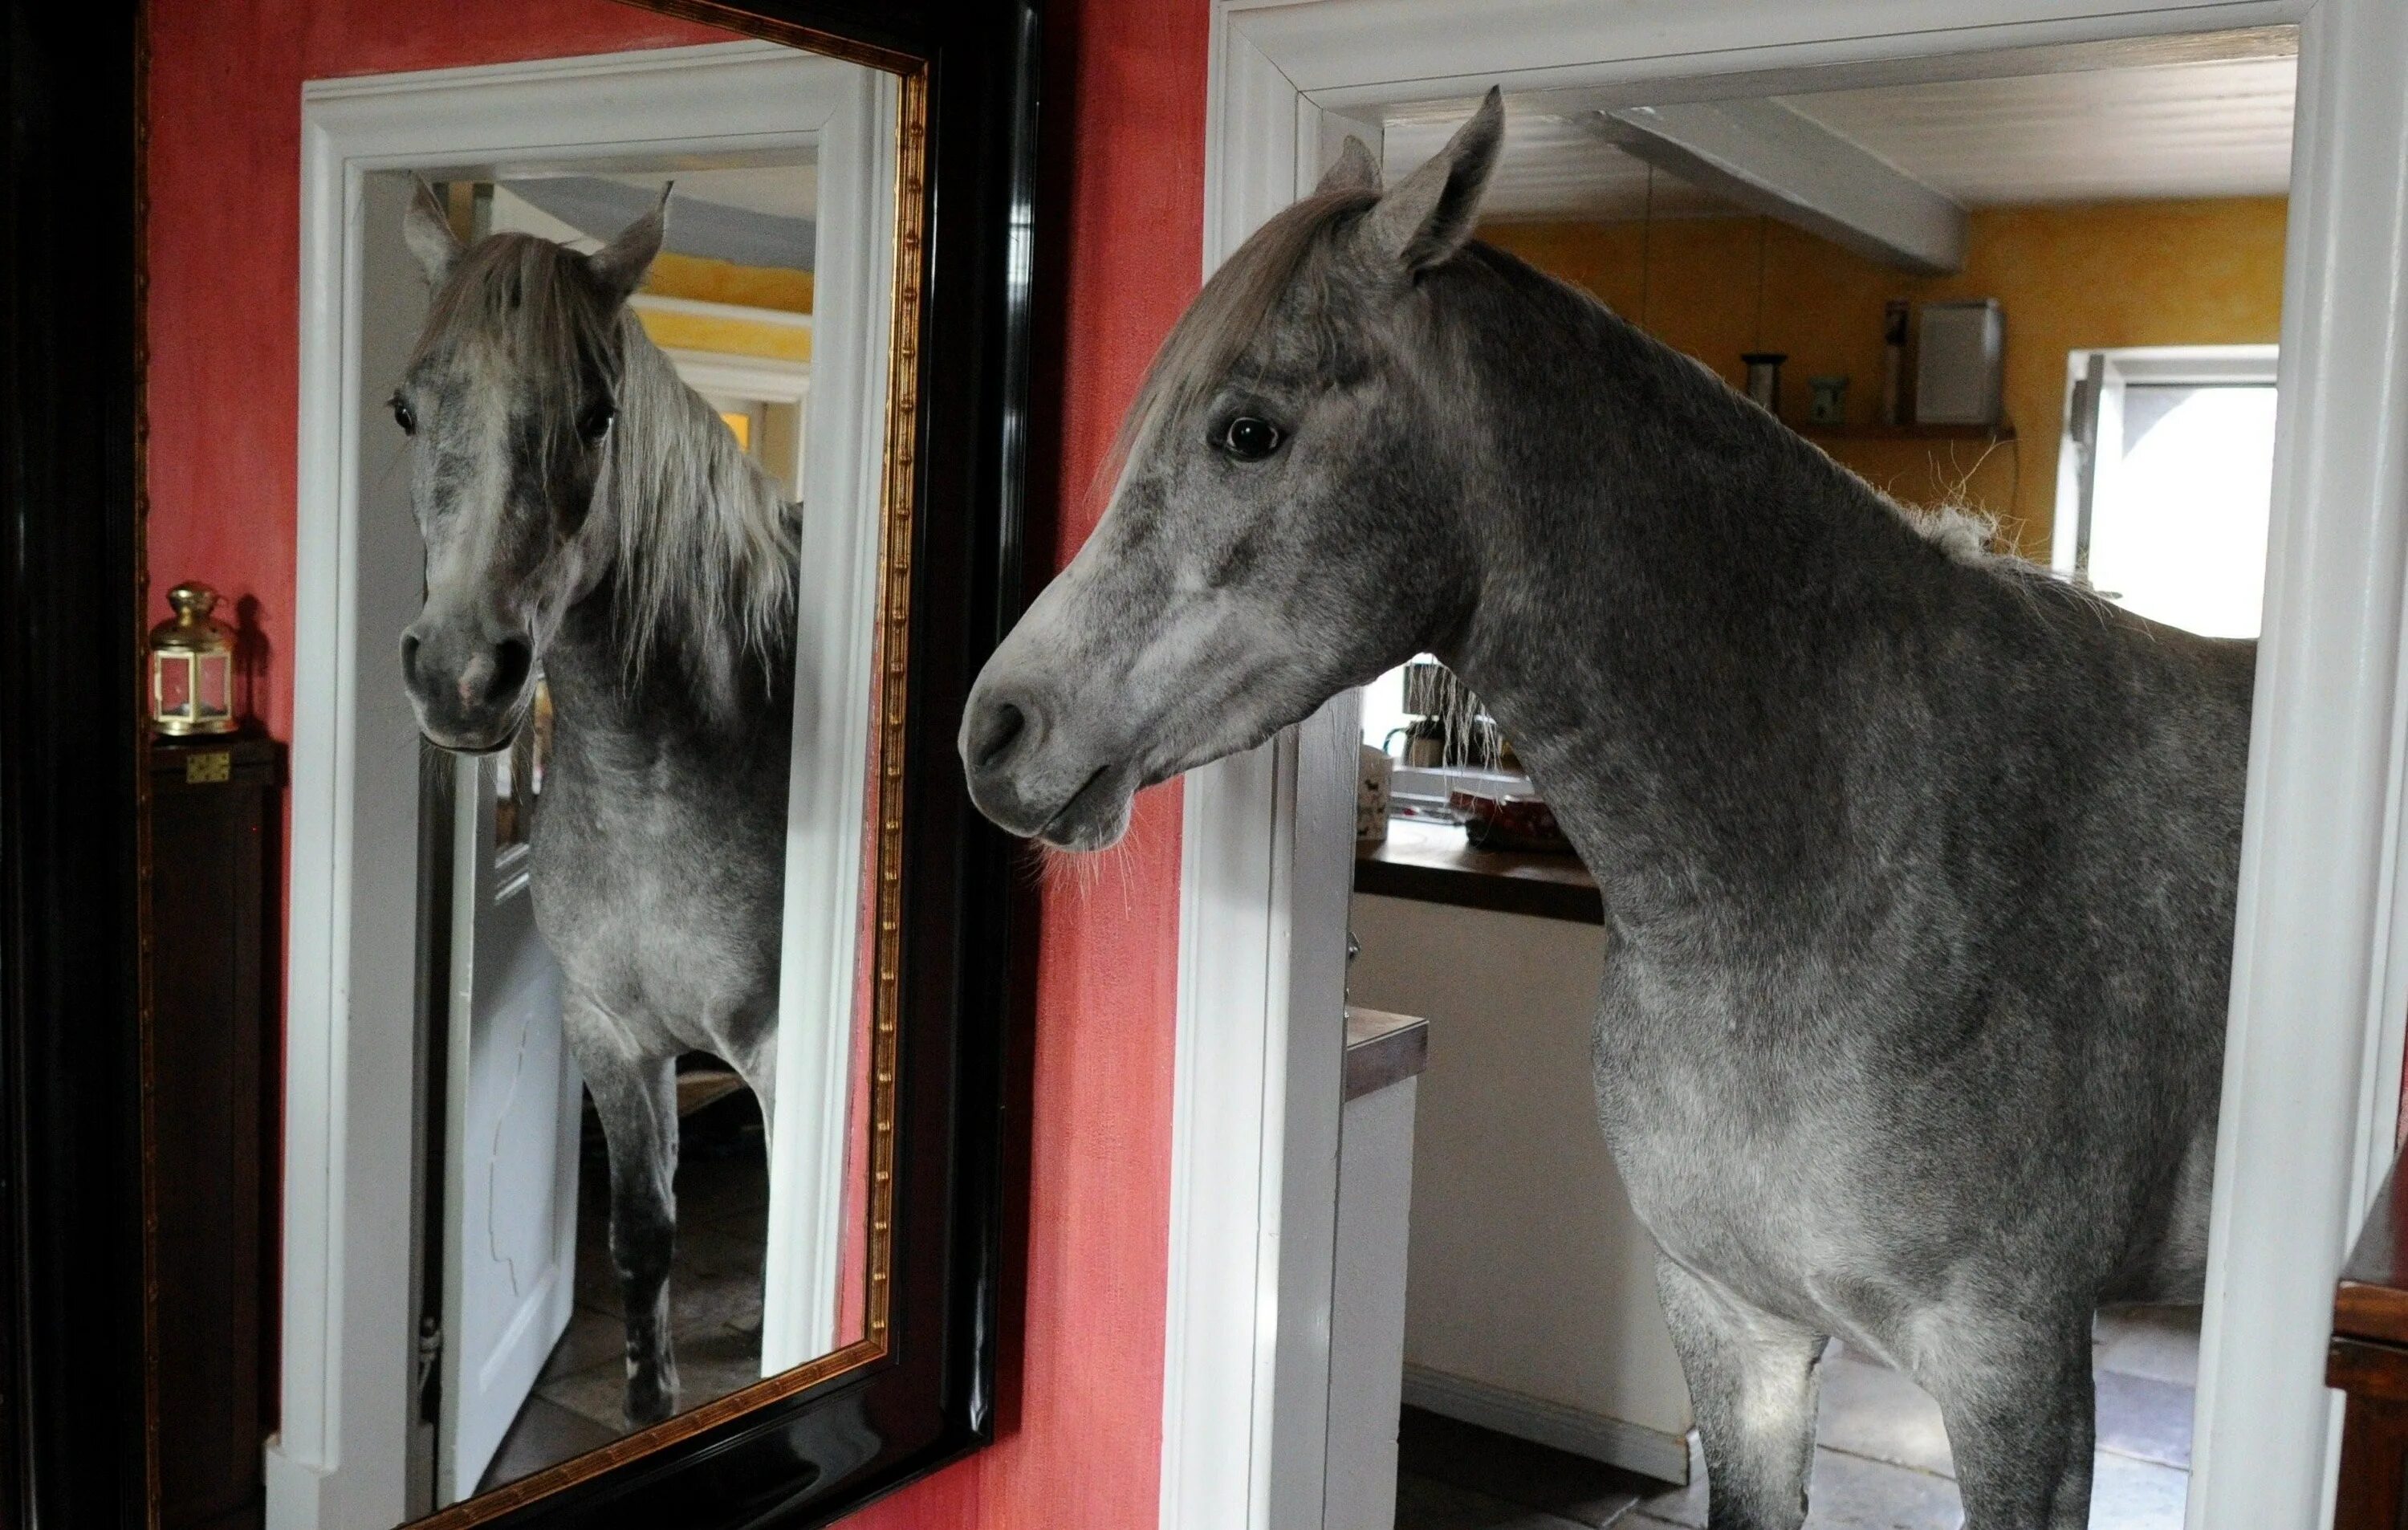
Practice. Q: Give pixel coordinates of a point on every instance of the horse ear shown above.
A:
(620, 264)
(1429, 215)
(426, 228)
(1355, 170)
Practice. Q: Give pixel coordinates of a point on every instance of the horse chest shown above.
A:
(1749, 1167)
(660, 896)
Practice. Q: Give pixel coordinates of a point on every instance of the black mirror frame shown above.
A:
(78, 1420)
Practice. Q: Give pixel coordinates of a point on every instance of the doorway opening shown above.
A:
(1537, 1387)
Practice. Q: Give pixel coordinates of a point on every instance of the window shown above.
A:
(2164, 481)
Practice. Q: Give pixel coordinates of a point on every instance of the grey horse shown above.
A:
(1918, 866)
(588, 517)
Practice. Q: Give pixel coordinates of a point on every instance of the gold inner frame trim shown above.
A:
(895, 519)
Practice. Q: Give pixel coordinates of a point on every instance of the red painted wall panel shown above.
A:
(226, 259)
(1122, 252)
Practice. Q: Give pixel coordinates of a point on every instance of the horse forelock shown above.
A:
(706, 543)
(1229, 315)
(532, 299)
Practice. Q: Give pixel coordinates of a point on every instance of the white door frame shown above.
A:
(2320, 972)
(339, 1461)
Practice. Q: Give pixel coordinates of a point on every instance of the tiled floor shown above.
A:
(722, 1193)
(1881, 1460)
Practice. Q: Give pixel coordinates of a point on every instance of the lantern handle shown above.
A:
(192, 601)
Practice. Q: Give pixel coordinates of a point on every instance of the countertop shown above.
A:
(1431, 863)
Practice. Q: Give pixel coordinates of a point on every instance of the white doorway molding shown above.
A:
(348, 1382)
(2320, 976)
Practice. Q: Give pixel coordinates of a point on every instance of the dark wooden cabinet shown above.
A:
(2369, 1362)
(215, 1064)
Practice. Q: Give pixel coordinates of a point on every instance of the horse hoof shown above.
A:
(650, 1403)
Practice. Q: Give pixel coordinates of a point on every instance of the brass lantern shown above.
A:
(192, 666)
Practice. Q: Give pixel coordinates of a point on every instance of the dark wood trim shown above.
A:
(216, 898)
(1430, 864)
(2372, 1300)
(2373, 1466)
(72, 1393)
(2368, 1360)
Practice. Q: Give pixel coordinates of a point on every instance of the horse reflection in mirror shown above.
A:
(589, 517)
(1918, 866)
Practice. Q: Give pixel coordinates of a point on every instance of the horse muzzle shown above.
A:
(469, 692)
(1022, 778)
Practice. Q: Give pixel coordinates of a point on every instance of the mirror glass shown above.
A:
(622, 389)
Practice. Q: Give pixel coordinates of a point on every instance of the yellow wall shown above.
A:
(724, 281)
(2115, 274)
(742, 286)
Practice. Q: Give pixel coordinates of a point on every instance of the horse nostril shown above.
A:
(513, 658)
(409, 658)
(999, 726)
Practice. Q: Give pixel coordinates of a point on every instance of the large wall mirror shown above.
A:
(641, 1065)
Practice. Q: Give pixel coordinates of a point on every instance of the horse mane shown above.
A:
(1242, 295)
(707, 543)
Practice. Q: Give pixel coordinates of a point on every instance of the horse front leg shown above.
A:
(1753, 1384)
(2016, 1394)
(636, 1099)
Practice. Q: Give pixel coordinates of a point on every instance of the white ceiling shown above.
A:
(2220, 128)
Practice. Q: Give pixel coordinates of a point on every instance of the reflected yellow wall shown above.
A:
(724, 281)
(742, 286)
(2115, 274)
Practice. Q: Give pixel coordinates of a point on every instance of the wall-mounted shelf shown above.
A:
(1908, 432)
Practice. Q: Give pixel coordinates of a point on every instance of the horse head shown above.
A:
(1285, 522)
(510, 401)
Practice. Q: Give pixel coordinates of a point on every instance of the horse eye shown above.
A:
(594, 422)
(1249, 439)
(403, 418)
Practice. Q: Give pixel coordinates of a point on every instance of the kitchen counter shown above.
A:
(1432, 863)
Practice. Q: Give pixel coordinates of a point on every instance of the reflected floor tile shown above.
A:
(1573, 1488)
(545, 1434)
(711, 1364)
(593, 1336)
(715, 1280)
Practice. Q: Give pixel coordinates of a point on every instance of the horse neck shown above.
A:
(1673, 596)
(701, 586)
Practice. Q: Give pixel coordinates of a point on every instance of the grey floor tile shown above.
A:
(544, 1435)
(598, 1393)
(1850, 1493)
(2149, 1421)
(1426, 1504)
(593, 1338)
(2127, 1495)
(1684, 1507)
(1872, 1411)
(1573, 1488)
(2158, 1342)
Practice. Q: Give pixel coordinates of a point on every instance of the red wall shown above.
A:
(1122, 252)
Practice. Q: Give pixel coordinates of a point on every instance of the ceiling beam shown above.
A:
(1768, 158)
